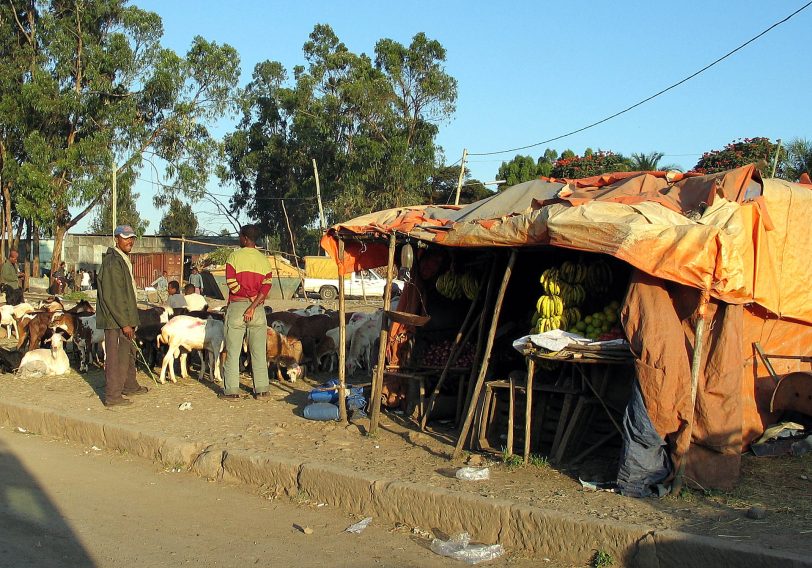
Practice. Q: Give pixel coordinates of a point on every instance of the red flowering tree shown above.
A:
(591, 164)
(736, 154)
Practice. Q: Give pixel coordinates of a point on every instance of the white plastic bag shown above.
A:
(459, 548)
(359, 526)
(473, 473)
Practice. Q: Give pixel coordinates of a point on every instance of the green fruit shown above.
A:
(611, 317)
(580, 326)
(588, 320)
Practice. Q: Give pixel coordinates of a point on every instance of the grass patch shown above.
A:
(77, 296)
(539, 461)
(511, 460)
(602, 559)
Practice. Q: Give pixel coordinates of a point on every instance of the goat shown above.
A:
(53, 361)
(191, 333)
(7, 320)
(285, 352)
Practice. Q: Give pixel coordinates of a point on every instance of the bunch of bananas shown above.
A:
(551, 282)
(455, 286)
(573, 294)
(599, 277)
(572, 272)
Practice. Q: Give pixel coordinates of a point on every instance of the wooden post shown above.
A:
(377, 380)
(278, 278)
(293, 245)
(511, 413)
(696, 363)
(322, 222)
(528, 407)
(342, 337)
(466, 425)
(462, 176)
(462, 337)
(114, 198)
(182, 259)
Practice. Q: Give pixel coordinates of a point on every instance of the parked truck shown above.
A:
(321, 278)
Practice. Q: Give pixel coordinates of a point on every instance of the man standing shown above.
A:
(161, 284)
(10, 276)
(196, 280)
(117, 315)
(249, 281)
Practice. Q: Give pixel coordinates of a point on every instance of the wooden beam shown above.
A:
(528, 407)
(483, 371)
(377, 381)
(342, 338)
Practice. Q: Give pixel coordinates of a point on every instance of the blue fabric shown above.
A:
(644, 460)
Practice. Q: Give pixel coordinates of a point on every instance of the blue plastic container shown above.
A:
(321, 411)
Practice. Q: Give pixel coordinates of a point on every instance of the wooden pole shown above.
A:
(293, 246)
(462, 176)
(278, 278)
(462, 337)
(511, 413)
(528, 407)
(377, 380)
(775, 158)
(342, 338)
(483, 371)
(322, 222)
(696, 363)
(114, 197)
(182, 259)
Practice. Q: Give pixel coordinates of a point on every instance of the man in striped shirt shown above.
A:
(249, 281)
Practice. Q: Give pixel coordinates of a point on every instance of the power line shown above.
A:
(657, 94)
(263, 198)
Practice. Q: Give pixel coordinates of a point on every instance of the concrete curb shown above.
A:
(566, 538)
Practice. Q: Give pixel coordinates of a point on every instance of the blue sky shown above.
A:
(528, 71)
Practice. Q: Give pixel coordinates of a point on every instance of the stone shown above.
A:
(756, 513)
(475, 460)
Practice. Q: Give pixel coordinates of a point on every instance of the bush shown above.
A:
(737, 154)
(597, 163)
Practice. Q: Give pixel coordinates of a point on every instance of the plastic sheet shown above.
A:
(473, 473)
(459, 548)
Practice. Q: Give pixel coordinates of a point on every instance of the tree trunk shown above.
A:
(59, 237)
(19, 234)
(35, 247)
(29, 239)
(6, 219)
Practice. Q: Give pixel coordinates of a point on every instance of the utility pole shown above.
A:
(462, 175)
(775, 158)
(322, 222)
(114, 197)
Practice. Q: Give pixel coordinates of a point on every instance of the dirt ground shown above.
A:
(783, 486)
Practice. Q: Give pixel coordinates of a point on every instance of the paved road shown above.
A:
(62, 504)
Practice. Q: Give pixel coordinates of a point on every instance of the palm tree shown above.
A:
(646, 162)
(797, 159)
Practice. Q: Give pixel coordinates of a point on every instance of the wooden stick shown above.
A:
(699, 337)
(377, 380)
(528, 407)
(278, 278)
(293, 246)
(511, 412)
(342, 338)
(462, 337)
(483, 371)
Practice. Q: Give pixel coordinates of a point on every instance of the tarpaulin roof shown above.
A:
(743, 239)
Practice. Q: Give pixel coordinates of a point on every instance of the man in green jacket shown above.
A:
(10, 277)
(117, 315)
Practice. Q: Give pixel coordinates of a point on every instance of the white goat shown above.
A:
(190, 333)
(7, 320)
(314, 310)
(39, 362)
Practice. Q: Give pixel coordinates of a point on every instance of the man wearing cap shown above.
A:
(249, 280)
(11, 279)
(117, 315)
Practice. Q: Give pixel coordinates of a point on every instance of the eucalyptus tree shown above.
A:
(96, 88)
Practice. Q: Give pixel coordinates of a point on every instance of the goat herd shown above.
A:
(296, 338)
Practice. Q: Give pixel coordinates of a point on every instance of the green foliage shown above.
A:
(73, 108)
(369, 123)
(539, 461)
(510, 459)
(602, 559)
(178, 220)
(738, 153)
(444, 182)
(518, 170)
(596, 163)
(796, 159)
(645, 162)
(126, 213)
(218, 256)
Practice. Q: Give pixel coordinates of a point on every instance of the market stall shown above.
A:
(702, 267)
